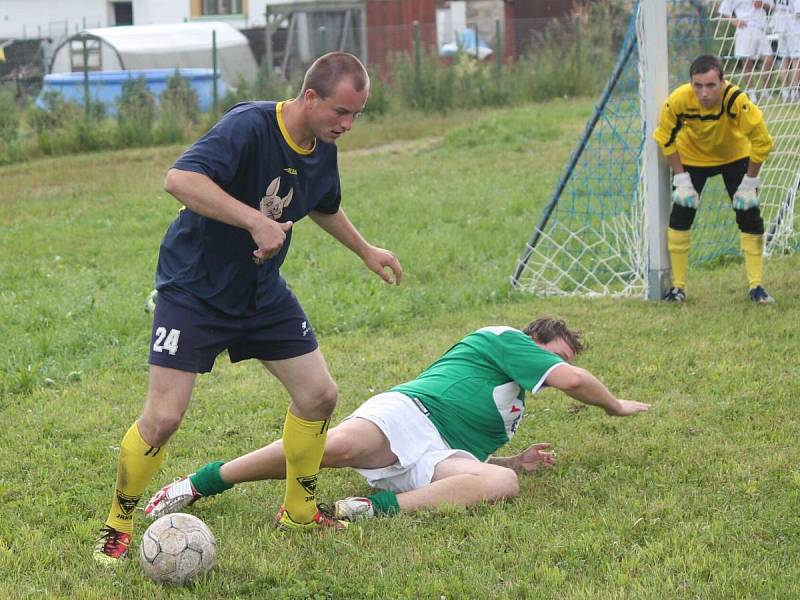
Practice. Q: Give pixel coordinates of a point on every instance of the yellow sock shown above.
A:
(753, 250)
(678, 243)
(303, 444)
(138, 462)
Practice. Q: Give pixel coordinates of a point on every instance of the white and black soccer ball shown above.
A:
(177, 548)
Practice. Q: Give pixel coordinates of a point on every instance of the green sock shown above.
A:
(385, 503)
(207, 481)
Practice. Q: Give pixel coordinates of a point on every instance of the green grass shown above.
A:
(697, 499)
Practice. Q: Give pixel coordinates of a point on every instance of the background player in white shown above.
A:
(749, 17)
(786, 24)
(431, 441)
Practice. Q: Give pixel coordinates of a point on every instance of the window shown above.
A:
(222, 7)
(123, 13)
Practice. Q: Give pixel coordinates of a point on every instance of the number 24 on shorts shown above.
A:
(167, 341)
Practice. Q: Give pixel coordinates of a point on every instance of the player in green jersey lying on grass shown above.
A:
(431, 441)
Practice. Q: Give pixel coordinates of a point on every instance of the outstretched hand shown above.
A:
(535, 458)
(379, 259)
(627, 408)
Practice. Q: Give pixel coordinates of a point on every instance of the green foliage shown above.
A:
(428, 86)
(10, 117)
(379, 96)
(136, 113)
(63, 127)
(178, 111)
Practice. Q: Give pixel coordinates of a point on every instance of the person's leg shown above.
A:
(142, 451)
(314, 394)
(768, 61)
(353, 443)
(751, 228)
(462, 481)
(679, 235)
(747, 74)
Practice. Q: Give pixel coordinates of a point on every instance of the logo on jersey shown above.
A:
(272, 204)
(510, 406)
(291, 170)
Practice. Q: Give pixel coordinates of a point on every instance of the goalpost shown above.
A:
(603, 232)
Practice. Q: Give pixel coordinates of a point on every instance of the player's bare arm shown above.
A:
(201, 195)
(377, 259)
(753, 169)
(580, 384)
(675, 163)
(534, 458)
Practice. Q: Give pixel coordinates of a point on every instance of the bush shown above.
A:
(181, 98)
(10, 116)
(378, 103)
(136, 113)
(178, 111)
(430, 88)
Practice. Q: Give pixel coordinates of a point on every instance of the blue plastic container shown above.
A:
(106, 86)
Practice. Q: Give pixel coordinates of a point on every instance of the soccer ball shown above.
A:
(177, 548)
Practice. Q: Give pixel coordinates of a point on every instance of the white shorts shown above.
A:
(789, 44)
(752, 43)
(413, 439)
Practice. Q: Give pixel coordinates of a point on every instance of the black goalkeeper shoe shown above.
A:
(760, 296)
(675, 294)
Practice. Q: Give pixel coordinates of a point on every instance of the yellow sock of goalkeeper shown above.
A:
(678, 244)
(753, 250)
(138, 463)
(303, 444)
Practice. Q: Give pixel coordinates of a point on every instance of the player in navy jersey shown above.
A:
(261, 168)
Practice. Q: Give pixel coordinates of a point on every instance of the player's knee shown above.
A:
(327, 397)
(750, 221)
(339, 449)
(156, 429)
(681, 217)
(504, 484)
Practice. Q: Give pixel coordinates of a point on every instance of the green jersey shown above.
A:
(475, 393)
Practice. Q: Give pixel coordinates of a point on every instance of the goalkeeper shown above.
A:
(430, 441)
(710, 127)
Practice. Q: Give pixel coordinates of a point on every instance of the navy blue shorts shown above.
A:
(189, 339)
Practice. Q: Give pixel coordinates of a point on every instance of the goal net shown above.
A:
(591, 237)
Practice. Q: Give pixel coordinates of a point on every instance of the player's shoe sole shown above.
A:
(171, 498)
(322, 520)
(111, 546)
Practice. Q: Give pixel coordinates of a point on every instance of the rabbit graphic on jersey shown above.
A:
(272, 204)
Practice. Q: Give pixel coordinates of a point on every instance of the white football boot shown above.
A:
(172, 498)
(354, 508)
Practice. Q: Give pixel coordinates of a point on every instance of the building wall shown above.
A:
(389, 27)
(157, 12)
(58, 18)
(50, 18)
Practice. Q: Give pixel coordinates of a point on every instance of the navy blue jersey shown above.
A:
(250, 155)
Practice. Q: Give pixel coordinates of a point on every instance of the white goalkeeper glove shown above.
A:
(746, 196)
(684, 193)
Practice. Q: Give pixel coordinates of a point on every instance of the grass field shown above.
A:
(697, 499)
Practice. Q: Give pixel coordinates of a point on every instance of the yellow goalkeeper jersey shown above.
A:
(704, 137)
